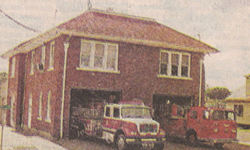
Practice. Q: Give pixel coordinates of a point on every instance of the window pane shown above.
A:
(164, 68)
(174, 70)
(111, 60)
(116, 112)
(164, 57)
(85, 54)
(13, 65)
(99, 54)
(184, 71)
(175, 59)
(241, 110)
(185, 60)
(49, 106)
(40, 106)
(52, 52)
(107, 112)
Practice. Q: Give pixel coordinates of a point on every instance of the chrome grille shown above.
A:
(148, 128)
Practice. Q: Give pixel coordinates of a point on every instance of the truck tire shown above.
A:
(120, 142)
(218, 145)
(192, 138)
(158, 146)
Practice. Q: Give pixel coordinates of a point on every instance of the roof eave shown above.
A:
(140, 41)
(54, 33)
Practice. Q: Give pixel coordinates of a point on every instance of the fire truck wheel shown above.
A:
(192, 138)
(121, 142)
(218, 145)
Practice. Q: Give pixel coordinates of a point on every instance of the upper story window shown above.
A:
(32, 62)
(13, 65)
(100, 56)
(42, 59)
(52, 55)
(174, 64)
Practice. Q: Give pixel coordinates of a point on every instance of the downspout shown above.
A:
(200, 86)
(66, 46)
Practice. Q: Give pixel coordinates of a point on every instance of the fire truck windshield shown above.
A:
(135, 112)
(222, 115)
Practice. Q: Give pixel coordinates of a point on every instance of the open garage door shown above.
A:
(162, 104)
(86, 98)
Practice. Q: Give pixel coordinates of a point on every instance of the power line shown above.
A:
(20, 24)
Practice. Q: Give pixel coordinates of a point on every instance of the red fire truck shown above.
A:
(126, 124)
(215, 125)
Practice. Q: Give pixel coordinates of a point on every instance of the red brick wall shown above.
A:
(138, 66)
(15, 88)
(45, 81)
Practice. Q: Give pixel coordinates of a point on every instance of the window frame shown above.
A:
(32, 62)
(240, 111)
(13, 66)
(169, 64)
(92, 57)
(40, 106)
(43, 56)
(52, 55)
(48, 109)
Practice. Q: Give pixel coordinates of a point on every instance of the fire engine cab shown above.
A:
(126, 124)
(215, 125)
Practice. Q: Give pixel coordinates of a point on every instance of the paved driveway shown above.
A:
(13, 140)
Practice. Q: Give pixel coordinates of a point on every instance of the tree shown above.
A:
(219, 93)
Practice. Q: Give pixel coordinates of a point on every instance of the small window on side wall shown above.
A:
(13, 65)
(52, 55)
(238, 110)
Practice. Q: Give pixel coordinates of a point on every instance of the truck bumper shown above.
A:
(145, 142)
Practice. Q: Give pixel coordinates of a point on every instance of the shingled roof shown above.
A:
(116, 27)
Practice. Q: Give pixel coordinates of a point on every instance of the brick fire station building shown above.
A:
(98, 54)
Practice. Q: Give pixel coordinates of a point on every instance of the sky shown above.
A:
(223, 24)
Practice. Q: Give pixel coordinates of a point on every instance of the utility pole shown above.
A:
(89, 5)
(3, 109)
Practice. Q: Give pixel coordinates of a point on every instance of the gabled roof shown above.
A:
(118, 28)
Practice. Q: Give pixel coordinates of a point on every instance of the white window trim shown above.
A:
(48, 113)
(51, 60)
(13, 67)
(40, 106)
(12, 110)
(32, 63)
(30, 110)
(169, 67)
(92, 56)
(43, 56)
